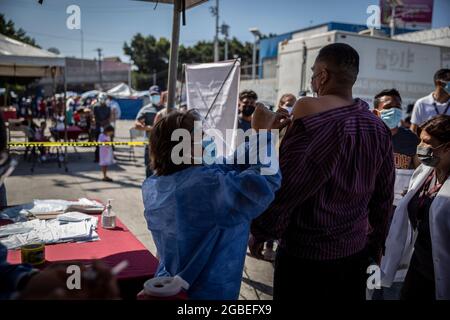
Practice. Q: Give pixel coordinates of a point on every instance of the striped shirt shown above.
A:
(337, 185)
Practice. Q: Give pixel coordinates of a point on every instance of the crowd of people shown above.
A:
(356, 185)
(90, 115)
(340, 204)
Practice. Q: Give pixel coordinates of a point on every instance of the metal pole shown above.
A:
(226, 49)
(99, 50)
(82, 44)
(82, 52)
(393, 21)
(216, 38)
(173, 60)
(254, 59)
(65, 116)
(154, 77)
(53, 80)
(129, 75)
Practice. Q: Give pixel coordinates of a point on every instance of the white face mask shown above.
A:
(156, 99)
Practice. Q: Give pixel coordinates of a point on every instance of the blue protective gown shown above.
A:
(200, 219)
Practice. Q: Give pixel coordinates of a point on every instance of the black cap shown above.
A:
(154, 90)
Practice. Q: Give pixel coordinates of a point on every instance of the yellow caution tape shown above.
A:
(76, 144)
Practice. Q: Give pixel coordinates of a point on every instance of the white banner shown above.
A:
(218, 84)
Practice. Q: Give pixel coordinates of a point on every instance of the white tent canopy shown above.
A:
(121, 91)
(18, 59)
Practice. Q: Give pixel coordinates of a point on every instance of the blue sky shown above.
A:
(108, 23)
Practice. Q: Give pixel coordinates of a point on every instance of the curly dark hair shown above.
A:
(248, 94)
(161, 144)
(438, 127)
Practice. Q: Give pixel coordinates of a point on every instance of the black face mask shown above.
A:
(247, 110)
(427, 157)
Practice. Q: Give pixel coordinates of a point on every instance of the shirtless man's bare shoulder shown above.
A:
(309, 105)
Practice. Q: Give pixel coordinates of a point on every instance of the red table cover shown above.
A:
(72, 133)
(113, 247)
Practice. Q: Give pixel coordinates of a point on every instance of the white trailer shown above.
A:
(384, 63)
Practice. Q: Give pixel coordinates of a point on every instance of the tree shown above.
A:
(8, 29)
(151, 55)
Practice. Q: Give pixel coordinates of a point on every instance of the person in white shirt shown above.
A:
(436, 103)
(115, 109)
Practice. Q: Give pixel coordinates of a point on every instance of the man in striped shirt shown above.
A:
(332, 211)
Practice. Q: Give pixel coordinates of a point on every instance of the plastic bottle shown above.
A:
(108, 217)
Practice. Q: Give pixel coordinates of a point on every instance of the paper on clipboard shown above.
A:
(402, 178)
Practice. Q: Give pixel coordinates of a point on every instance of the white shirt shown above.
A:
(115, 107)
(424, 109)
(69, 102)
(401, 238)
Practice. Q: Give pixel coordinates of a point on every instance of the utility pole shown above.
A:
(257, 34)
(99, 50)
(226, 49)
(173, 60)
(82, 51)
(394, 4)
(129, 75)
(225, 32)
(215, 13)
(392, 22)
(82, 44)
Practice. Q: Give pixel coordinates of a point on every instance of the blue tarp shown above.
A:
(129, 108)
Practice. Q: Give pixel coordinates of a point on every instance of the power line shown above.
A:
(191, 41)
(71, 39)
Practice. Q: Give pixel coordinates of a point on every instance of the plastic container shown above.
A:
(108, 217)
(165, 288)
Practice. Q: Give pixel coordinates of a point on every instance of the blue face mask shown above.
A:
(156, 99)
(391, 117)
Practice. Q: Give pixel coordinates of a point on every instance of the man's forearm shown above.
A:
(144, 128)
(380, 216)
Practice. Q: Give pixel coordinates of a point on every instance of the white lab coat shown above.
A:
(401, 237)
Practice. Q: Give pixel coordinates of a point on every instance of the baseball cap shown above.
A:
(154, 90)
